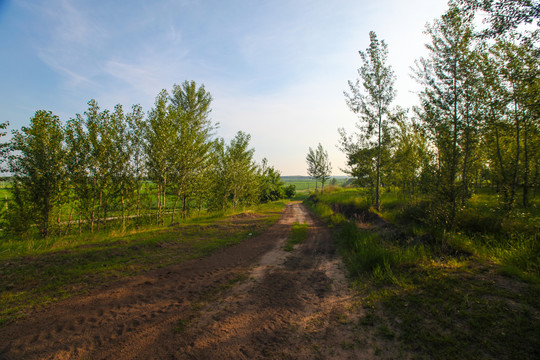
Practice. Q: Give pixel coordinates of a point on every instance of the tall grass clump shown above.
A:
(363, 251)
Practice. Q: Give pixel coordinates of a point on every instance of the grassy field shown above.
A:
(307, 183)
(34, 273)
(468, 292)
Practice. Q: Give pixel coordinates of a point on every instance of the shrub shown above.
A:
(290, 191)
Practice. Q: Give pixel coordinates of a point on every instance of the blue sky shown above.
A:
(276, 69)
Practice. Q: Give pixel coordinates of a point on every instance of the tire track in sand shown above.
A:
(291, 306)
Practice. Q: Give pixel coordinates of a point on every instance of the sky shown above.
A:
(276, 69)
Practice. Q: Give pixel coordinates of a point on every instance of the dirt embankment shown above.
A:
(249, 301)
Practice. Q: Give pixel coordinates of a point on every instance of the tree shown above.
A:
(325, 167)
(77, 164)
(448, 108)
(370, 98)
(313, 166)
(220, 178)
(290, 191)
(120, 163)
(100, 137)
(319, 166)
(4, 148)
(241, 171)
(160, 148)
(270, 184)
(504, 15)
(411, 164)
(190, 110)
(360, 159)
(136, 142)
(509, 92)
(38, 166)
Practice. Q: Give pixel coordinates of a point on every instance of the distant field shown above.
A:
(307, 183)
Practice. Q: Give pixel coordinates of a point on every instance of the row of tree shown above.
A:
(478, 118)
(105, 165)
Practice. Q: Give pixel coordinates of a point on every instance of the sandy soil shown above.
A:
(250, 301)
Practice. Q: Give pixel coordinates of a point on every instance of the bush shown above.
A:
(290, 191)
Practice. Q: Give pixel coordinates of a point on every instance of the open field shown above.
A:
(308, 183)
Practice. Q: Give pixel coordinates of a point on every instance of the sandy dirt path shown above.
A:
(252, 300)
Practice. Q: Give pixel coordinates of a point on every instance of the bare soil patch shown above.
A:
(252, 300)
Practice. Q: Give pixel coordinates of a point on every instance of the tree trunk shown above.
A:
(525, 166)
(138, 198)
(516, 161)
(99, 210)
(105, 209)
(184, 209)
(45, 217)
(465, 173)
(378, 180)
(93, 209)
(501, 166)
(158, 188)
(174, 206)
(59, 210)
(68, 226)
(453, 166)
(164, 200)
(80, 220)
(123, 211)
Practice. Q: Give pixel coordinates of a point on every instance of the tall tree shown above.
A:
(77, 163)
(371, 96)
(160, 148)
(190, 109)
(38, 167)
(122, 184)
(241, 171)
(136, 142)
(519, 71)
(448, 77)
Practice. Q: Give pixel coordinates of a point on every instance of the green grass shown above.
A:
(298, 235)
(461, 311)
(468, 292)
(307, 183)
(34, 273)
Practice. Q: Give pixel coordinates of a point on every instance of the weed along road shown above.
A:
(252, 300)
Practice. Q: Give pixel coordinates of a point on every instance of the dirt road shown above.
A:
(249, 301)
